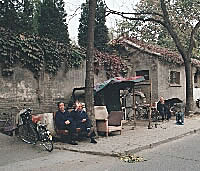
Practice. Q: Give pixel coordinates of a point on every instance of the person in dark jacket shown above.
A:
(163, 109)
(64, 121)
(179, 109)
(82, 121)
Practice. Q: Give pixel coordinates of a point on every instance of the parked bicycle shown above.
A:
(142, 113)
(31, 132)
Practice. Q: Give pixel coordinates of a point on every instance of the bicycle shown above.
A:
(30, 132)
(141, 112)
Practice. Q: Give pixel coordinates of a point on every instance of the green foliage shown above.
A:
(182, 14)
(25, 13)
(101, 31)
(52, 21)
(38, 54)
(35, 53)
(8, 15)
(51, 49)
(17, 15)
(76, 56)
(36, 14)
(124, 27)
(83, 26)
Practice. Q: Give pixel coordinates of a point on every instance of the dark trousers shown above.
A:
(72, 131)
(165, 115)
(84, 128)
(179, 117)
(83, 125)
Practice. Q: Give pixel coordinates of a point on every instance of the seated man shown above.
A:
(82, 121)
(64, 121)
(179, 109)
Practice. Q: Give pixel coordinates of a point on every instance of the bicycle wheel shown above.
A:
(28, 134)
(137, 114)
(33, 135)
(48, 145)
(141, 114)
(46, 138)
(23, 133)
(154, 116)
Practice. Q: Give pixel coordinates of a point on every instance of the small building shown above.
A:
(160, 66)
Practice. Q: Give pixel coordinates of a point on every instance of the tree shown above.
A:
(8, 15)
(25, 13)
(19, 12)
(89, 82)
(181, 20)
(101, 31)
(63, 35)
(52, 21)
(36, 14)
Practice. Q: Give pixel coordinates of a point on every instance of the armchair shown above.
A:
(108, 123)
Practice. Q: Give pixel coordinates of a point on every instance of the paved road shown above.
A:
(179, 155)
(19, 156)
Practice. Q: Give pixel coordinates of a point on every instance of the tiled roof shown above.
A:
(162, 53)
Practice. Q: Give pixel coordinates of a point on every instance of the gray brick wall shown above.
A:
(41, 95)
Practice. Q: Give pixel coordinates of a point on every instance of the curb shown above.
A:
(152, 145)
(162, 142)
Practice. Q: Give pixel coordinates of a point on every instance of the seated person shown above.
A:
(82, 120)
(179, 109)
(64, 121)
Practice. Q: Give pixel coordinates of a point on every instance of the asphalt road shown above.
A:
(179, 155)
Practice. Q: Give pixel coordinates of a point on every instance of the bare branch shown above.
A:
(74, 14)
(144, 19)
(133, 13)
(109, 11)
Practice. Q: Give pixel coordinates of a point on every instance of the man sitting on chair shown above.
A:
(64, 121)
(179, 109)
(82, 121)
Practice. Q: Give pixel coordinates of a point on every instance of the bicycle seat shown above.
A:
(36, 118)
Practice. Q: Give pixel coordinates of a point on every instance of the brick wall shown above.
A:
(41, 95)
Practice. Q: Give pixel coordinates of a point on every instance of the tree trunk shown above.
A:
(89, 82)
(189, 87)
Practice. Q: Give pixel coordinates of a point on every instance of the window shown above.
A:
(174, 77)
(144, 73)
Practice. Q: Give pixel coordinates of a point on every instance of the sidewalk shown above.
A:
(131, 141)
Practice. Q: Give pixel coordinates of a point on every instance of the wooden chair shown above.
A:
(108, 123)
(115, 121)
